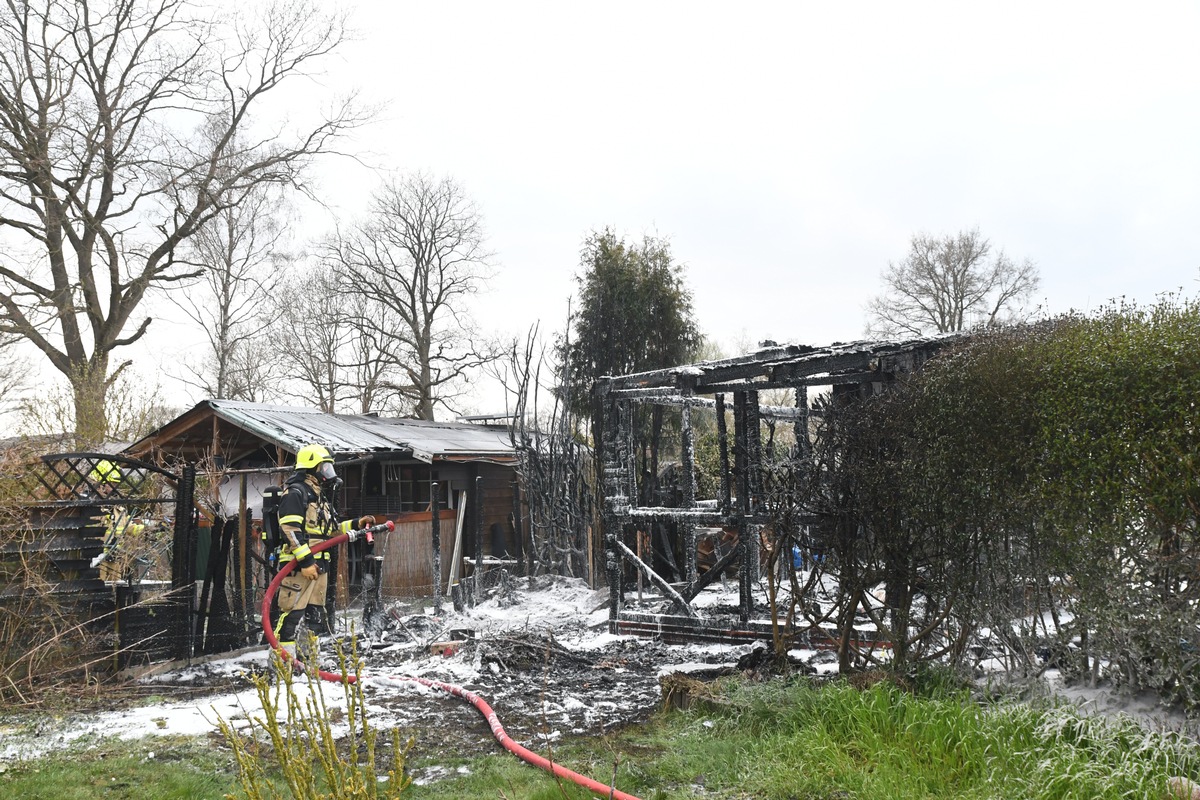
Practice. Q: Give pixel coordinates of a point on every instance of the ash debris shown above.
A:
(546, 664)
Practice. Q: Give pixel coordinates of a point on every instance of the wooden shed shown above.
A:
(391, 468)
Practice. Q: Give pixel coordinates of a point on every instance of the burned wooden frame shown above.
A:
(851, 370)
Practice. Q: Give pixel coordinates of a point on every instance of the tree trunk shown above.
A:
(424, 405)
(88, 385)
(898, 602)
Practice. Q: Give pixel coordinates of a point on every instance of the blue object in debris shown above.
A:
(798, 559)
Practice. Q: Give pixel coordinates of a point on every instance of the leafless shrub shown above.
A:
(554, 465)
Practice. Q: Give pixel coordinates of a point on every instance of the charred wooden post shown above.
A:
(518, 527)
(477, 525)
(612, 571)
(203, 617)
(753, 479)
(220, 635)
(183, 569)
(723, 448)
(688, 458)
(627, 452)
(241, 603)
(612, 488)
(803, 443)
(435, 526)
(656, 579)
(741, 476)
(373, 605)
(712, 575)
(331, 596)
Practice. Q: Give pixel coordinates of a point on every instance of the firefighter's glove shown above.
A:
(306, 562)
(365, 522)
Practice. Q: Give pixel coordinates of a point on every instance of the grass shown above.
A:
(156, 768)
(785, 740)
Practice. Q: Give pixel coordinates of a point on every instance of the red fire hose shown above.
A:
(480, 704)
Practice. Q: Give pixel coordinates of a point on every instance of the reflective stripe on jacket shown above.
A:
(303, 507)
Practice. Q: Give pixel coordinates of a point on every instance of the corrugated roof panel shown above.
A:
(292, 428)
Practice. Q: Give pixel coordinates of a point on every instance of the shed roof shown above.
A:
(344, 434)
(783, 366)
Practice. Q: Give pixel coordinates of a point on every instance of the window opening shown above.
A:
(410, 486)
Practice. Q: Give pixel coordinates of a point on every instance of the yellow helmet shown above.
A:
(105, 472)
(312, 455)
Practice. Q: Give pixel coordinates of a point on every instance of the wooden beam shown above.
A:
(666, 588)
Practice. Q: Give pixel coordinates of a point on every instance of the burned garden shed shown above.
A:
(779, 387)
(392, 468)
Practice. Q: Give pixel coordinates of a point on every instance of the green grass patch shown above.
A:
(800, 740)
(155, 768)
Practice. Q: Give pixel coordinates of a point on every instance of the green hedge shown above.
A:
(1048, 472)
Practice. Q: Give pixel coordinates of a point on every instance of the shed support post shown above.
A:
(435, 527)
(613, 484)
(753, 434)
(477, 525)
(741, 469)
(723, 452)
(183, 563)
(612, 570)
(689, 496)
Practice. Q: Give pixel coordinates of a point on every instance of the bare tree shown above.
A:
(124, 129)
(327, 345)
(373, 358)
(418, 256)
(252, 370)
(312, 340)
(240, 253)
(950, 283)
(135, 407)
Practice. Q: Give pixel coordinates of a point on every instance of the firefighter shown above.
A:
(118, 523)
(306, 517)
(105, 476)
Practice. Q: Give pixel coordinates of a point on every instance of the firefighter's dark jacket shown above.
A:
(303, 507)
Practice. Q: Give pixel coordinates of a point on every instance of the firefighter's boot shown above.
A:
(285, 631)
(316, 620)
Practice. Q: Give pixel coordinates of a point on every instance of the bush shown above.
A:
(292, 751)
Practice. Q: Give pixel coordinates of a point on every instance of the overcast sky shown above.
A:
(788, 151)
